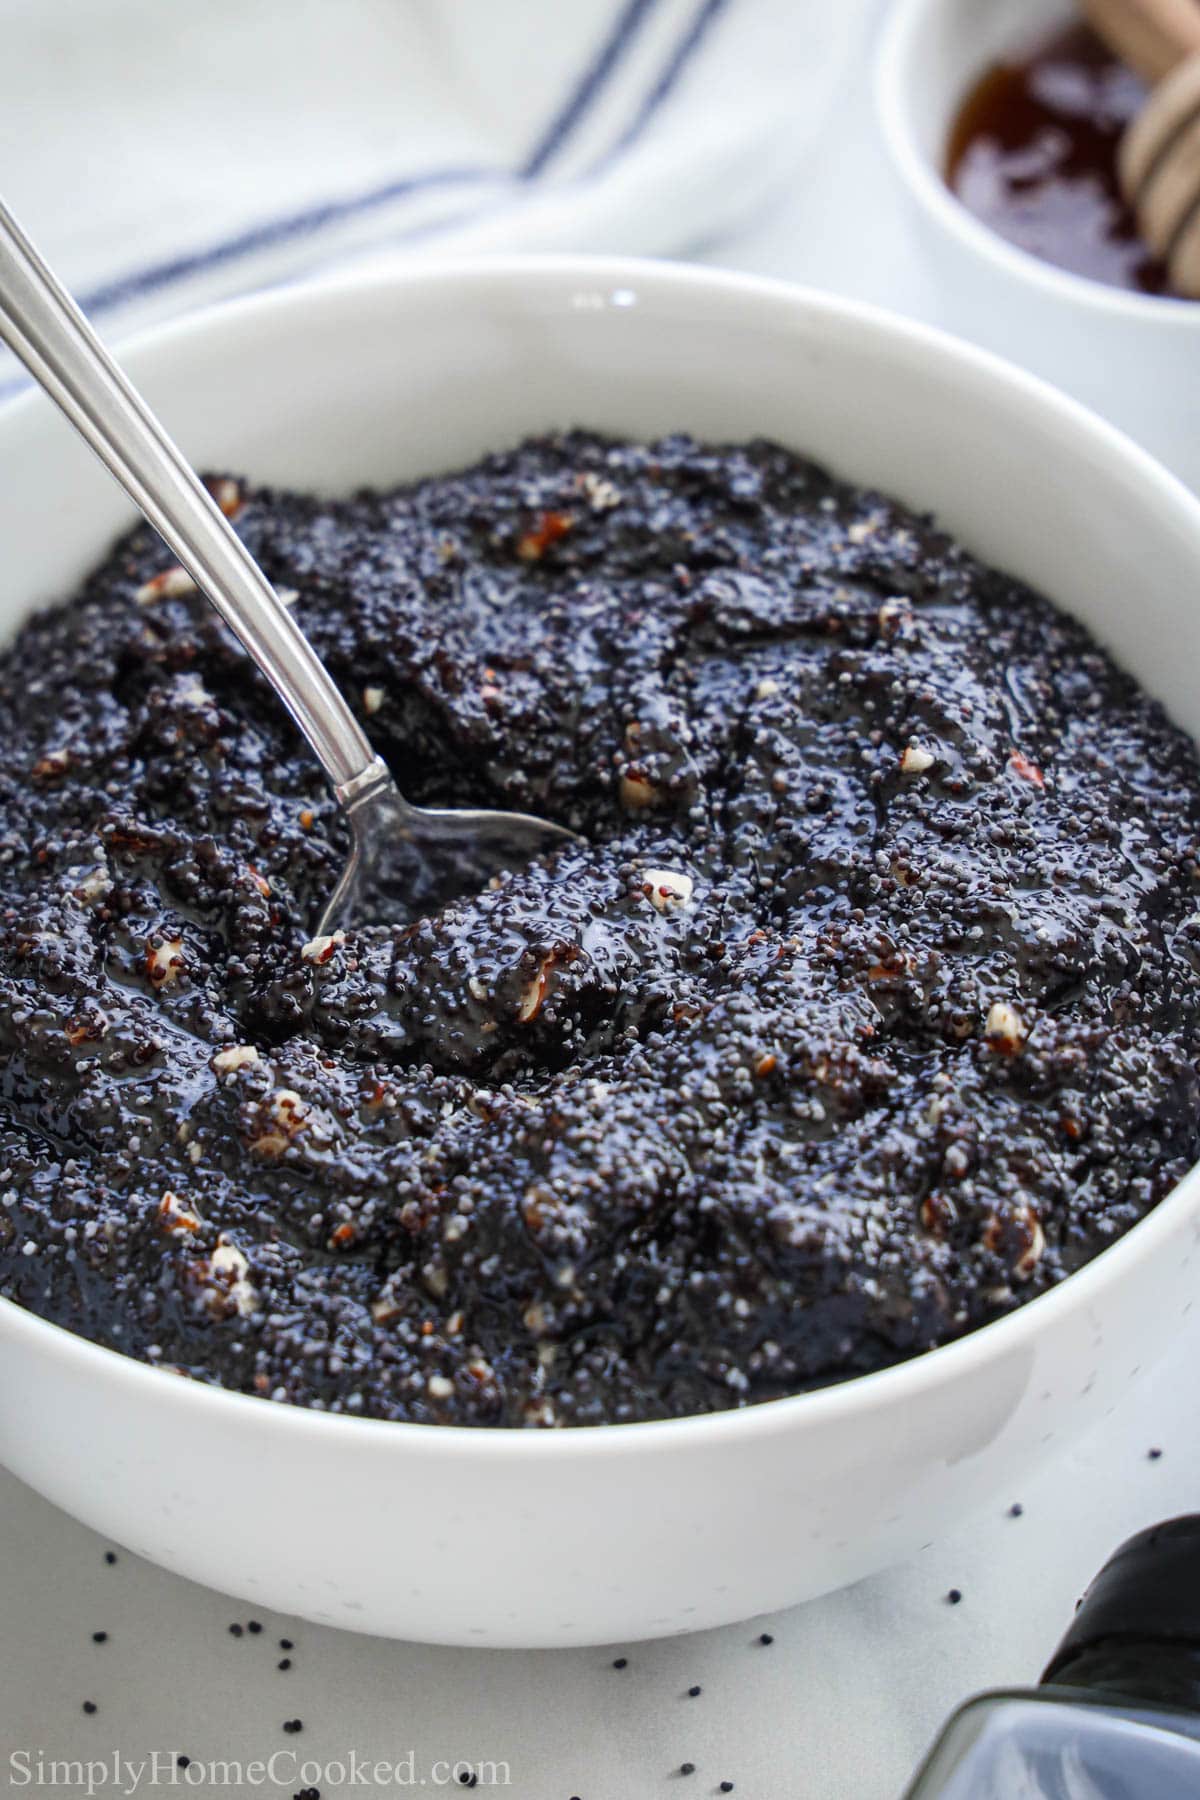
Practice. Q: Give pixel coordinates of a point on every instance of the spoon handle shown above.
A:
(42, 325)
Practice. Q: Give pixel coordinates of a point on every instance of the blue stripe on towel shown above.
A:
(705, 16)
(312, 220)
(656, 95)
(276, 231)
(590, 85)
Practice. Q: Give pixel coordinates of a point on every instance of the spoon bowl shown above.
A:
(409, 859)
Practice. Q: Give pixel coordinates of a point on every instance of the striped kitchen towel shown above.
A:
(166, 155)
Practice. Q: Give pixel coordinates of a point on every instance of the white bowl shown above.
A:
(1134, 357)
(583, 1536)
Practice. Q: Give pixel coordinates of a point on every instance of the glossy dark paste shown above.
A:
(869, 1010)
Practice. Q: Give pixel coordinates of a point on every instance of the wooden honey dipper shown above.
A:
(1159, 159)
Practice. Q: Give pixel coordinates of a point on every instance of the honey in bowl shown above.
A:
(1033, 154)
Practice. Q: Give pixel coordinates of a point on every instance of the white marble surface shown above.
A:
(838, 1707)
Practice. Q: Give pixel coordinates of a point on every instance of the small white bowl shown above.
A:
(618, 1532)
(1134, 357)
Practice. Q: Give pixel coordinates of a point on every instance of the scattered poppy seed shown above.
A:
(687, 1768)
(620, 1662)
(183, 1762)
(1015, 1510)
(89, 1706)
(235, 1631)
(468, 1778)
(286, 1644)
(1154, 1454)
(308, 1794)
(99, 1637)
(285, 1662)
(110, 1556)
(766, 1638)
(692, 1692)
(727, 1787)
(954, 1596)
(293, 1725)
(254, 1626)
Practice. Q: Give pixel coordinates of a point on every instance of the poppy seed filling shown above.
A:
(866, 1010)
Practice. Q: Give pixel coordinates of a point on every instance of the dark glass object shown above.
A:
(1117, 1713)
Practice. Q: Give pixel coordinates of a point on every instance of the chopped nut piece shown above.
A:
(892, 616)
(164, 960)
(1029, 1258)
(540, 1412)
(87, 1030)
(916, 759)
(230, 1267)
(373, 698)
(286, 596)
(602, 494)
(535, 993)
(637, 793)
(228, 496)
(172, 584)
(1028, 771)
(285, 1114)
(238, 1056)
(95, 885)
(440, 1387)
(320, 949)
(1005, 1027)
(766, 689)
(176, 1220)
(533, 544)
(667, 889)
(53, 764)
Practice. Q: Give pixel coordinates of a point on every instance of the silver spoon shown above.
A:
(415, 854)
